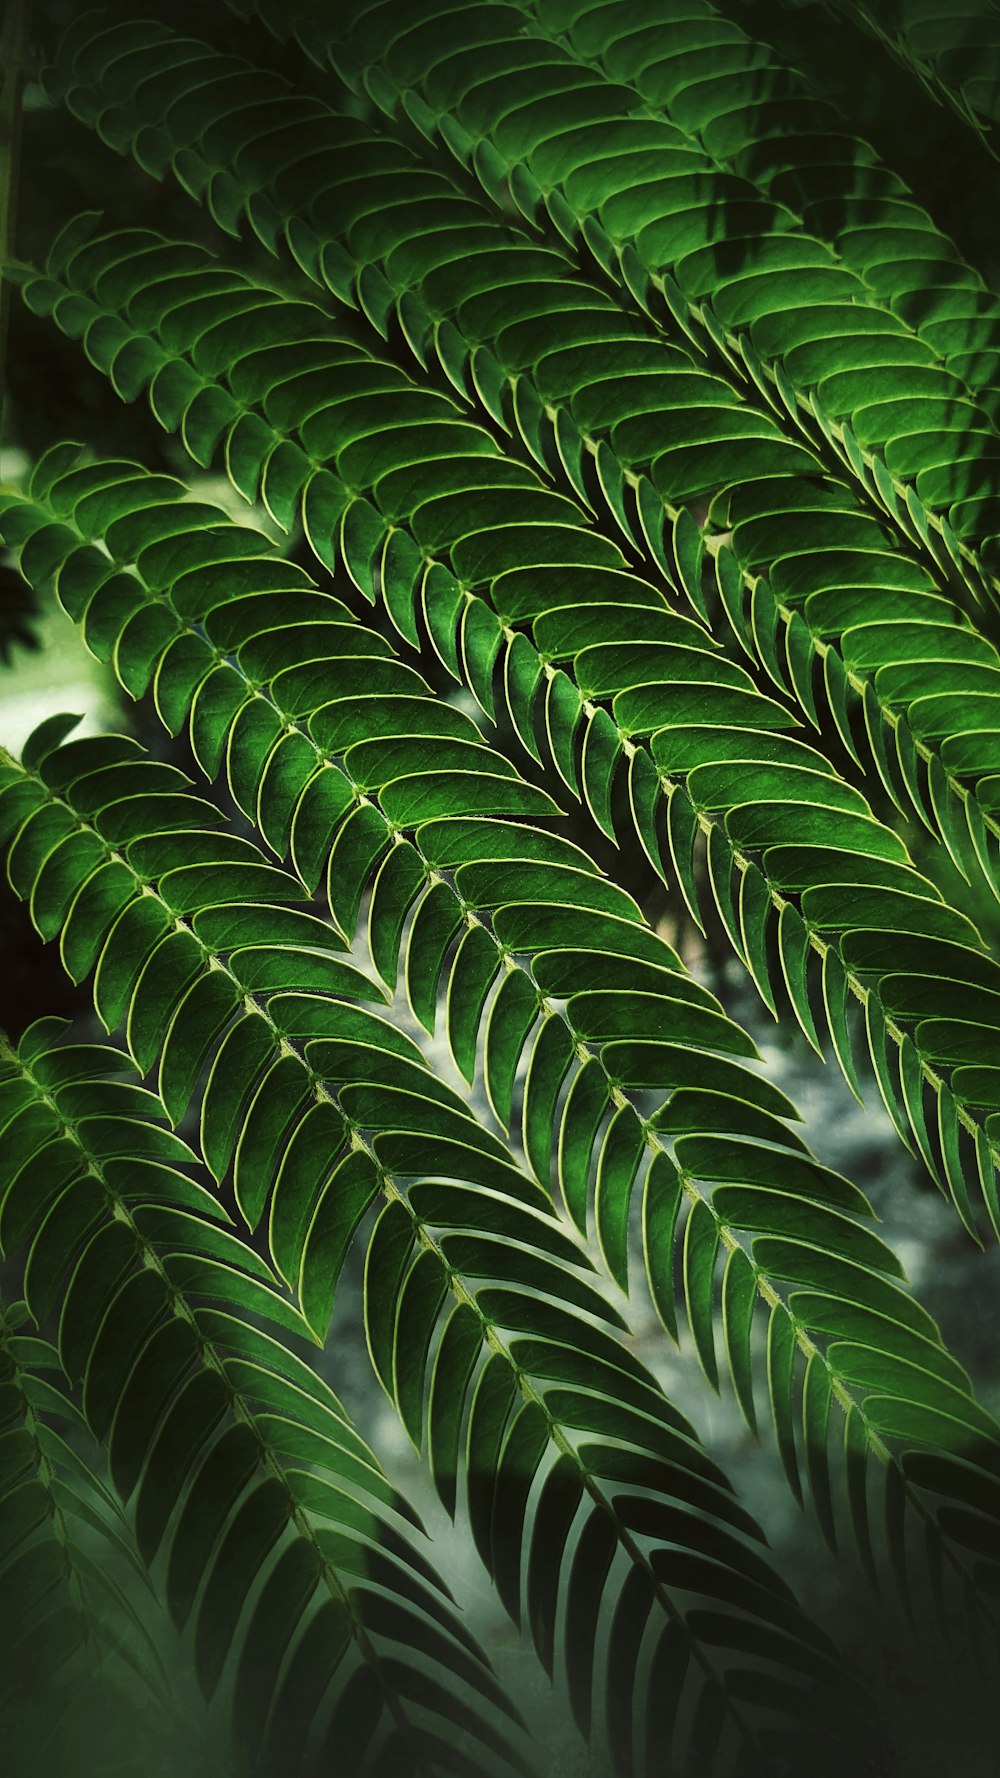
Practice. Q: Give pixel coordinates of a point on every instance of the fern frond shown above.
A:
(692, 458)
(77, 1603)
(691, 749)
(396, 52)
(905, 385)
(517, 360)
(799, 1232)
(948, 718)
(937, 1150)
(504, 1269)
(631, 1018)
(768, 267)
(645, 1065)
(202, 1409)
(687, 279)
(910, 433)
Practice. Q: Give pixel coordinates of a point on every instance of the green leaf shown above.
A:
(701, 1247)
(621, 1152)
(662, 1194)
(268, 1121)
(310, 1156)
(582, 1115)
(816, 1398)
(781, 1353)
(195, 1027)
(739, 1300)
(386, 1266)
(436, 924)
(454, 1363)
(511, 1018)
(338, 1214)
(551, 1055)
(399, 879)
(423, 1293)
(237, 1065)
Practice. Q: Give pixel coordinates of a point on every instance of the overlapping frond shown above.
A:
(691, 730)
(78, 1610)
(912, 395)
(478, 1303)
(634, 392)
(384, 229)
(968, 843)
(720, 208)
(758, 269)
(689, 1172)
(257, 160)
(282, 1538)
(701, 234)
(822, 361)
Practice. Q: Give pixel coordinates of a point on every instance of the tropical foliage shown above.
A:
(558, 514)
